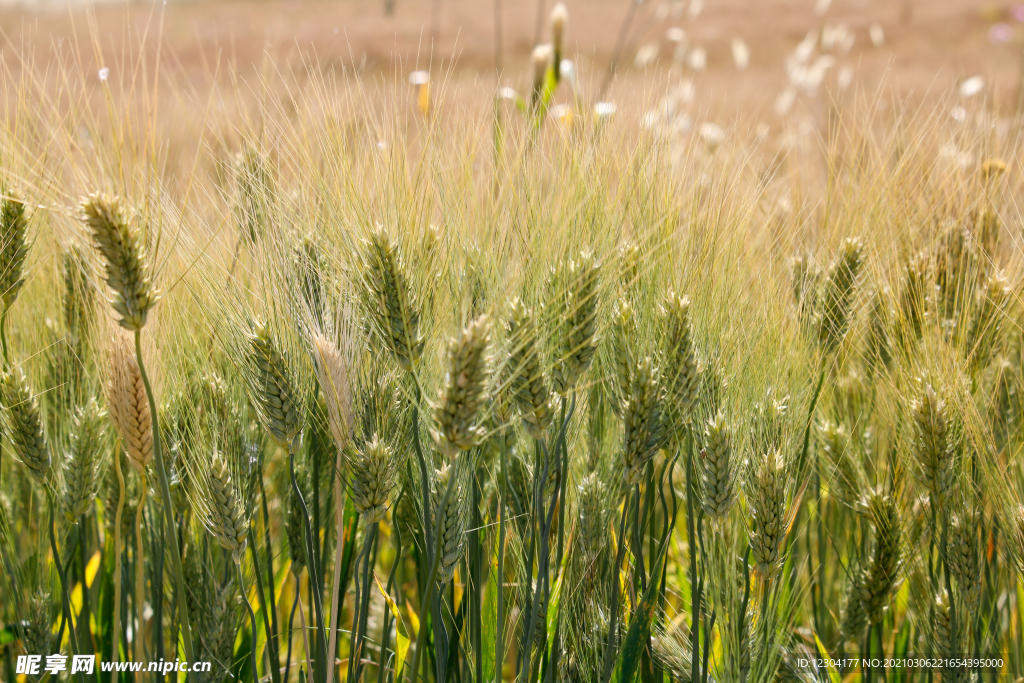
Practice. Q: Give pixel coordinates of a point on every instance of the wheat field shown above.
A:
(320, 378)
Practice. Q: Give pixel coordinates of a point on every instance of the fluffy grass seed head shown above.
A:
(272, 389)
(540, 58)
(835, 308)
(931, 443)
(83, 466)
(718, 476)
(390, 299)
(373, 470)
(559, 18)
(14, 246)
(574, 330)
(23, 424)
(767, 502)
(457, 413)
(643, 432)
(127, 402)
(527, 381)
(121, 245)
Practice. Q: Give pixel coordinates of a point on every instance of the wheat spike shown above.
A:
(271, 388)
(127, 402)
(83, 466)
(944, 640)
(840, 281)
(373, 479)
(767, 501)
(682, 380)
(592, 528)
(23, 425)
(879, 577)
(14, 246)
(964, 551)
(623, 334)
(643, 433)
(717, 473)
(390, 299)
(931, 444)
(526, 376)
(853, 619)
(333, 374)
(457, 411)
(575, 306)
(124, 254)
(450, 522)
(225, 519)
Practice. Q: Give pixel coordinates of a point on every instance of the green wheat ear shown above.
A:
(83, 465)
(931, 444)
(682, 379)
(390, 299)
(374, 470)
(878, 582)
(623, 356)
(14, 246)
(450, 522)
(527, 381)
(574, 308)
(717, 474)
(457, 412)
(23, 425)
(834, 310)
(964, 551)
(226, 518)
(120, 243)
(643, 429)
(271, 387)
(767, 501)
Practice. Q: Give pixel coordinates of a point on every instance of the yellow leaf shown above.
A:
(76, 597)
(413, 619)
(91, 568)
(402, 639)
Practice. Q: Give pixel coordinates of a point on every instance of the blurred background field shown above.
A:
(738, 54)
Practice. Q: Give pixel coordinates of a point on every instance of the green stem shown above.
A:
(66, 602)
(252, 618)
(321, 673)
(428, 589)
(499, 640)
(86, 607)
(165, 504)
(275, 672)
(269, 549)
